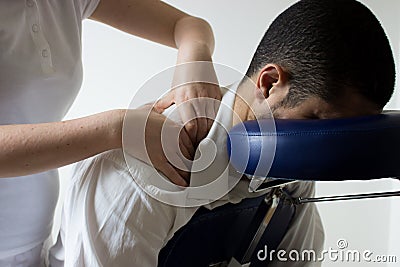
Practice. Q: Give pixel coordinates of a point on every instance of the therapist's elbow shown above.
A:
(194, 30)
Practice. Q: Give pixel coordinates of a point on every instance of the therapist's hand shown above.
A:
(156, 140)
(198, 109)
(197, 95)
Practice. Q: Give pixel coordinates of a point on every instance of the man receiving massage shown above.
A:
(319, 59)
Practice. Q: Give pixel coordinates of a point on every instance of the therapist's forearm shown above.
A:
(33, 148)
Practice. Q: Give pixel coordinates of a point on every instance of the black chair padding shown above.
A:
(217, 235)
(211, 236)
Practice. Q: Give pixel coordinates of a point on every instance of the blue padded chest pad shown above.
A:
(357, 148)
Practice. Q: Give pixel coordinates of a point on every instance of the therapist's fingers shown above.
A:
(209, 123)
(214, 107)
(180, 165)
(188, 116)
(176, 159)
(197, 98)
(199, 106)
(185, 152)
(185, 175)
(165, 102)
(210, 113)
(186, 143)
(173, 175)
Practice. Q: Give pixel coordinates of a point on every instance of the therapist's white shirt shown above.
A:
(108, 220)
(40, 76)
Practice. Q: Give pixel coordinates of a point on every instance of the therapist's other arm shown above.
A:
(193, 37)
(33, 148)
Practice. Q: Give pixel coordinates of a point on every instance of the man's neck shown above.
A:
(241, 106)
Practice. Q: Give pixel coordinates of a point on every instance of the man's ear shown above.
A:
(271, 77)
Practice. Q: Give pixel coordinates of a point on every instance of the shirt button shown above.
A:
(45, 53)
(35, 28)
(30, 3)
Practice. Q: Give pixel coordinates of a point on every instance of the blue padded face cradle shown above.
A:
(357, 148)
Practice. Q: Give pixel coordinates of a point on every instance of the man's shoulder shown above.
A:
(115, 156)
(93, 167)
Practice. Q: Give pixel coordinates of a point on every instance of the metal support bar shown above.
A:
(301, 200)
(258, 184)
(261, 229)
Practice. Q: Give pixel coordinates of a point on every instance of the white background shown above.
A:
(116, 65)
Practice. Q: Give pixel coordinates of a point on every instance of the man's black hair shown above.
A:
(326, 47)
